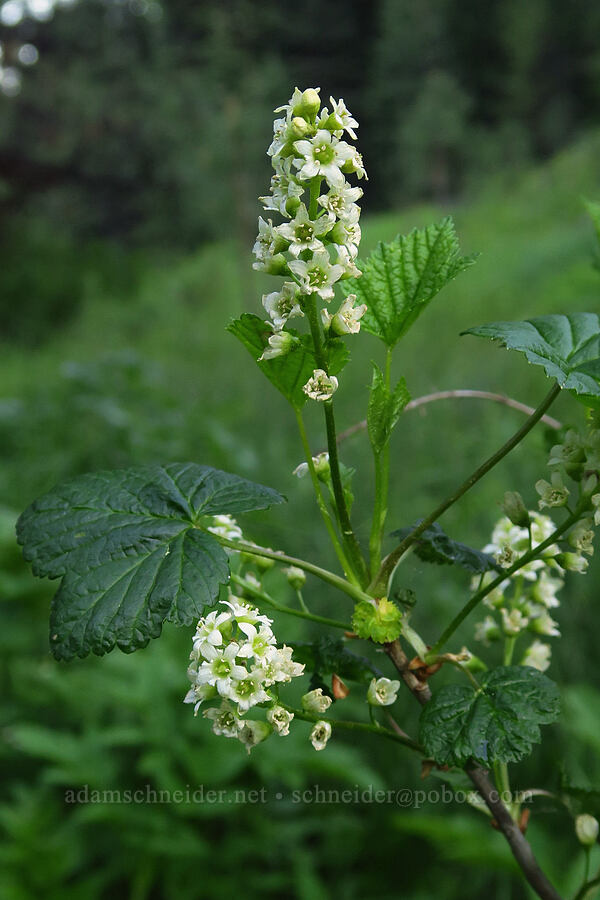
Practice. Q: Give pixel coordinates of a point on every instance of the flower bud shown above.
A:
(299, 127)
(280, 344)
(515, 509)
(586, 829)
(573, 562)
(309, 105)
(276, 265)
(316, 701)
(296, 577)
(253, 732)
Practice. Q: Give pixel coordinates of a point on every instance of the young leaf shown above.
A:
(131, 551)
(327, 656)
(399, 279)
(290, 372)
(435, 546)
(498, 723)
(568, 347)
(384, 409)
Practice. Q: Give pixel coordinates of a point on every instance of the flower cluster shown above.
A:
(317, 245)
(523, 602)
(235, 660)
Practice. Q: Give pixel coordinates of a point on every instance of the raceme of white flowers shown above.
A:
(317, 245)
(521, 605)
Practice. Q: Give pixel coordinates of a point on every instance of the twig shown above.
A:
(519, 846)
(457, 395)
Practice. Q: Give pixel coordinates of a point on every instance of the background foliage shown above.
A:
(130, 163)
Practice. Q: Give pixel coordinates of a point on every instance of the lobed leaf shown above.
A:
(497, 723)
(399, 279)
(434, 546)
(567, 347)
(131, 552)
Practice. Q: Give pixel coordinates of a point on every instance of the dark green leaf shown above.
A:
(567, 347)
(399, 279)
(499, 722)
(130, 552)
(384, 409)
(327, 656)
(288, 373)
(435, 546)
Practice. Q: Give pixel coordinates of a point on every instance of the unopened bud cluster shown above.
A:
(317, 245)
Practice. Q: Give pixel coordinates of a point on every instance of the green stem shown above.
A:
(303, 605)
(582, 893)
(502, 781)
(343, 559)
(259, 594)
(324, 574)
(380, 582)
(351, 544)
(509, 646)
(522, 561)
(356, 726)
(382, 480)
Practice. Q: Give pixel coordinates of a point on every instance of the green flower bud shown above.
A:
(380, 621)
(310, 104)
(586, 829)
(515, 509)
(277, 265)
(299, 127)
(296, 577)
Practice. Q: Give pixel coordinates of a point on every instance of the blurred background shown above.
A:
(132, 152)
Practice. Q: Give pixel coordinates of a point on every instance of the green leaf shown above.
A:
(497, 723)
(288, 373)
(131, 551)
(384, 409)
(399, 279)
(567, 347)
(327, 656)
(434, 546)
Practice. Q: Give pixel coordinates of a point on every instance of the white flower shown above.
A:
(302, 103)
(382, 692)
(513, 622)
(582, 537)
(303, 233)
(355, 164)
(199, 692)
(285, 190)
(553, 493)
(341, 201)
(320, 735)
(347, 233)
(347, 319)
(545, 588)
(253, 732)
(286, 664)
(323, 155)
(268, 242)
(320, 386)
(246, 613)
(209, 630)
(280, 343)
(248, 691)
(317, 275)
(226, 527)
(226, 721)
(341, 118)
(220, 668)
(487, 630)
(574, 562)
(283, 305)
(537, 656)
(258, 640)
(346, 261)
(542, 623)
(280, 719)
(316, 701)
